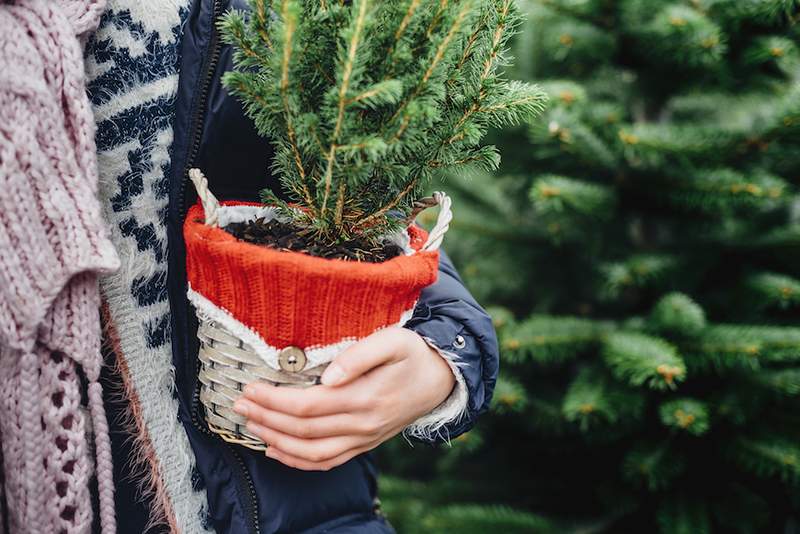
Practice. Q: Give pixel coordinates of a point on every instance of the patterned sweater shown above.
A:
(131, 63)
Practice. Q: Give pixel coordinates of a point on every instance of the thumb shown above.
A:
(377, 349)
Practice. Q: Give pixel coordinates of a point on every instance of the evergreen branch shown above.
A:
(643, 360)
(592, 399)
(436, 18)
(687, 415)
(412, 7)
(469, 46)
(343, 89)
(339, 203)
(683, 515)
(385, 92)
(509, 395)
(678, 314)
(437, 58)
(497, 39)
(605, 24)
(475, 519)
(550, 340)
(782, 381)
(767, 456)
(654, 465)
(383, 210)
(261, 17)
(290, 25)
(440, 51)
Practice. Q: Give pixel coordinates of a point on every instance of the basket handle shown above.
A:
(207, 198)
(436, 235)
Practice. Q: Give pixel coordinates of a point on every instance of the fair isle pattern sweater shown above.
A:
(132, 63)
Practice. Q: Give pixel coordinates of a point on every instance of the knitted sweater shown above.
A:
(132, 68)
(54, 246)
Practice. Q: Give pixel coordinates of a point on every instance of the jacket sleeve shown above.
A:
(450, 320)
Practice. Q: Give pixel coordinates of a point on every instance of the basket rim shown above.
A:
(195, 227)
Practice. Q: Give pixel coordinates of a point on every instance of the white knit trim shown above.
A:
(315, 354)
(451, 410)
(237, 214)
(242, 213)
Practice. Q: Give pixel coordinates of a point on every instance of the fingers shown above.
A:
(316, 451)
(306, 465)
(310, 402)
(380, 348)
(310, 427)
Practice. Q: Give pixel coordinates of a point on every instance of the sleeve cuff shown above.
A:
(430, 426)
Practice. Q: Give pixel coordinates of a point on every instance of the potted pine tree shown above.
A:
(365, 102)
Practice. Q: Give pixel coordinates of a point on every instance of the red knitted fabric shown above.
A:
(294, 299)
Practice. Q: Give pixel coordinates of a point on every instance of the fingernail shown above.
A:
(240, 407)
(332, 375)
(254, 428)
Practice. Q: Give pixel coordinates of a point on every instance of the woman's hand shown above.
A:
(369, 393)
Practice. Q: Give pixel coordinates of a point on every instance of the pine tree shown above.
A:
(366, 101)
(642, 244)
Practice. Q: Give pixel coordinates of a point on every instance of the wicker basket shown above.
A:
(227, 365)
(234, 354)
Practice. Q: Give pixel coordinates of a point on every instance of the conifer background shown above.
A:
(640, 246)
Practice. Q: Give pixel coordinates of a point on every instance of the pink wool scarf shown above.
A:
(53, 247)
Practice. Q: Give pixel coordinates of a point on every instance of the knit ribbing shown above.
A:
(54, 247)
(291, 298)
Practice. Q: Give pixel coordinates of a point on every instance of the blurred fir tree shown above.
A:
(642, 246)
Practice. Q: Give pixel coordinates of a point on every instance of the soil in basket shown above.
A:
(282, 236)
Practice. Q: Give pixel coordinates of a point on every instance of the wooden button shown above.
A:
(292, 359)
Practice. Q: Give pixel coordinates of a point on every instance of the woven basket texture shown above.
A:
(227, 365)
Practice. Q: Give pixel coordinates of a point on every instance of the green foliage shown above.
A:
(768, 456)
(685, 415)
(639, 359)
(781, 381)
(509, 395)
(678, 314)
(477, 519)
(652, 465)
(410, 513)
(593, 400)
(641, 248)
(366, 101)
(548, 340)
(774, 289)
(682, 515)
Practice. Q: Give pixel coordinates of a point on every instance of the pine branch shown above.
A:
(344, 86)
(686, 415)
(643, 360)
(412, 7)
(289, 17)
(437, 58)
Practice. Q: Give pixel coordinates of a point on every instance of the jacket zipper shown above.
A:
(241, 472)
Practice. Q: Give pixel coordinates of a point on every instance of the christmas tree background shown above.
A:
(640, 251)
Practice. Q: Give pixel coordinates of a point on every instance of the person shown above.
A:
(154, 69)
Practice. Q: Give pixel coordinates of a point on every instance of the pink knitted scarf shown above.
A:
(53, 247)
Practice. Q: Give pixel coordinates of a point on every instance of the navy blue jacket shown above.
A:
(247, 492)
